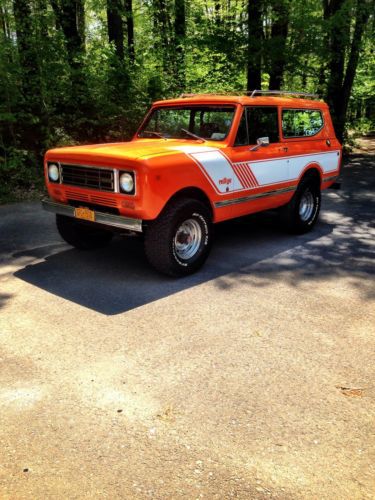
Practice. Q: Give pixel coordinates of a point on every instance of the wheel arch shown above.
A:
(194, 193)
(313, 170)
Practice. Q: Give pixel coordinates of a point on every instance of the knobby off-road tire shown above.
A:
(301, 213)
(178, 242)
(80, 235)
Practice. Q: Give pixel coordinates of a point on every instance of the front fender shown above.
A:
(166, 176)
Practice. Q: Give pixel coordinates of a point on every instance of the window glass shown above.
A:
(208, 122)
(241, 138)
(301, 122)
(262, 122)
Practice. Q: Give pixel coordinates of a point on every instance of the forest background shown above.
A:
(80, 71)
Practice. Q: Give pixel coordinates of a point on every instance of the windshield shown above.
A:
(203, 122)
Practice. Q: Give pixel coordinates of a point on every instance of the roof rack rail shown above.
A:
(282, 92)
(252, 93)
(184, 96)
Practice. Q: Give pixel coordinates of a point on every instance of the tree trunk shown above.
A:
(130, 29)
(326, 41)
(180, 31)
(362, 13)
(115, 27)
(4, 22)
(31, 81)
(70, 15)
(81, 24)
(279, 33)
(255, 43)
(218, 18)
(339, 22)
(163, 23)
(25, 45)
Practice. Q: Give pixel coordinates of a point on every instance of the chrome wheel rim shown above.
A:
(306, 205)
(188, 239)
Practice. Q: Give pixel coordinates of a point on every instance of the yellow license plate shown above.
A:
(84, 213)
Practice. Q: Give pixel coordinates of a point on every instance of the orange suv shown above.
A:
(195, 161)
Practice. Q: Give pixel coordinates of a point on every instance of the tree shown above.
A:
(30, 72)
(58, 86)
(179, 32)
(362, 12)
(70, 17)
(164, 30)
(254, 44)
(115, 26)
(277, 47)
(130, 29)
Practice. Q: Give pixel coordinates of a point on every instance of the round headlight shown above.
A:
(53, 172)
(126, 183)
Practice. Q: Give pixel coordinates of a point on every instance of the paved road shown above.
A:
(252, 379)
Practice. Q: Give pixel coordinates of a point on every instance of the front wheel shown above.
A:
(301, 213)
(178, 242)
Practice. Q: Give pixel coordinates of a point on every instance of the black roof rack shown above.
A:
(254, 93)
(282, 92)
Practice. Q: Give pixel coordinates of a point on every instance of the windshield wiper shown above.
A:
(156, 134)
(193, 135)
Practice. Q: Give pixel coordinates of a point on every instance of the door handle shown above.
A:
(285, 149)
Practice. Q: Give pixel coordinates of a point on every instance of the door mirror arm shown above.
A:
(261, 142)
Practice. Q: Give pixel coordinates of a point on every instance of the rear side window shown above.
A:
(256, 122)
(301, 122)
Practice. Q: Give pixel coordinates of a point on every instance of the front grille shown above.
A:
(87, 177)
(74, 195)
(103, 201)
(100, 200)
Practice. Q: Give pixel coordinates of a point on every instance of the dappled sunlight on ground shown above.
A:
(251, 379)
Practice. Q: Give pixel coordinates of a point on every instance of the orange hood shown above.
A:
(133, 150)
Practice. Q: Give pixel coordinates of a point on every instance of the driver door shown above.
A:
(260, 169)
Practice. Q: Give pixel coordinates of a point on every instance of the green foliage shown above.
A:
(53, 94)
(18, 178)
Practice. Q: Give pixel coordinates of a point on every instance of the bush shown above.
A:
(21, 175)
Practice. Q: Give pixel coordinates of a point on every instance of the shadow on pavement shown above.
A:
(118, 278)
(3, 298)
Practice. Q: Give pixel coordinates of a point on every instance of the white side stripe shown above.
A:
(219, 170)
(227, 177)
(290, 168)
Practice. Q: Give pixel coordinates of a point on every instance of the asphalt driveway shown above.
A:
(252, 379)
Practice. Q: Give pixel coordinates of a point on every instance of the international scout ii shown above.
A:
(196, 161)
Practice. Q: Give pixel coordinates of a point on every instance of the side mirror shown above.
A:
(261, 141)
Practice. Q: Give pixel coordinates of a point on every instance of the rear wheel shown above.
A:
(301, 213)
(81, 235)
(178, 242)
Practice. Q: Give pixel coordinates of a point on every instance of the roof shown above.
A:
(244, 100)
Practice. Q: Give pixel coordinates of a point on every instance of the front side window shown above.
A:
(256, 122)
(262, 122)
(242, 138)
(301, 122)
(207, 122)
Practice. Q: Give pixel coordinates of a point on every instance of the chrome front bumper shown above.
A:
(100, 217)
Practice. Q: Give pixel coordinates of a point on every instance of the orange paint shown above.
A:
(163, 167)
